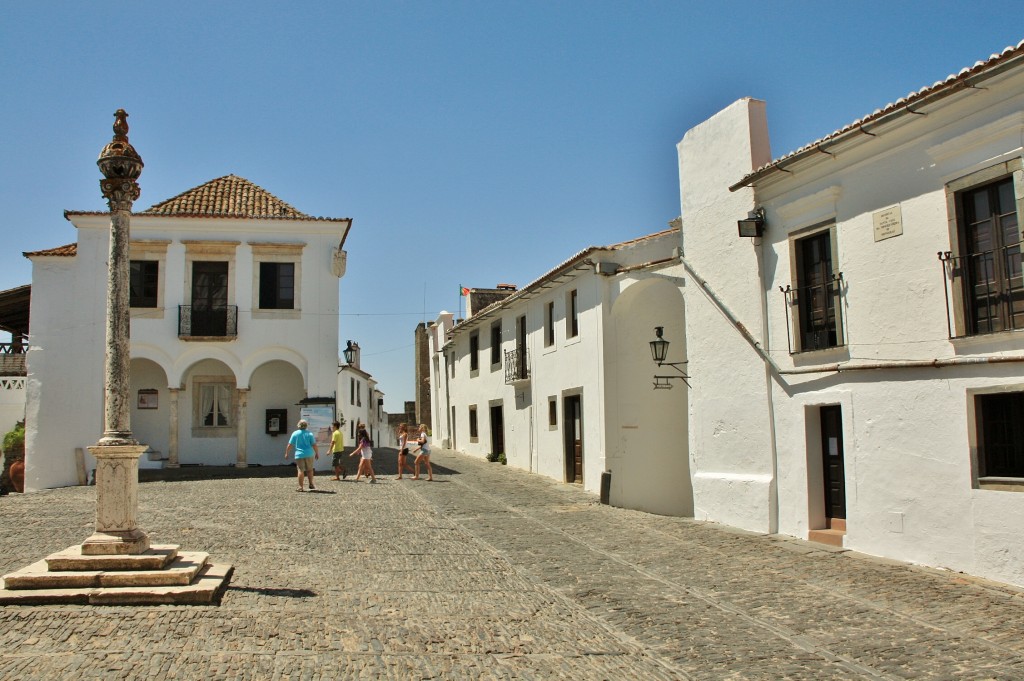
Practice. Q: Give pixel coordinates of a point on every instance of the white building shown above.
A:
(558, 376)
(234, 306)
(849, 385)
(361, 402)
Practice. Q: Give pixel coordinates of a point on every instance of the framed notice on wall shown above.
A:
(149, 398)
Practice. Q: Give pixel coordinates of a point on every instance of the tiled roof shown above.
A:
(560, 270)
(228, 196)
(68, 251)
(952, 83)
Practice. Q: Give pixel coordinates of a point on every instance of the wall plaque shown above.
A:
(888, 223)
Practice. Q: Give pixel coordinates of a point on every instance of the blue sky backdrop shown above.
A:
(472, 142)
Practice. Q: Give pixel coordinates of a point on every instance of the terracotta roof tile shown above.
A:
(228, 196)
(949, 84)
(67, 251)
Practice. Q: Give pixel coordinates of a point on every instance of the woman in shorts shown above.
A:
(423, 454)
(403, 450)
(365, 448)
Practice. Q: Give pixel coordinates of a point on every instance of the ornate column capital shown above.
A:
(120, 193)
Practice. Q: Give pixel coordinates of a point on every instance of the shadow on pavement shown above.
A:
(270, 591)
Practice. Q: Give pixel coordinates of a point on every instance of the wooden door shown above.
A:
(834, 468)
(209, 298)
(572, 418)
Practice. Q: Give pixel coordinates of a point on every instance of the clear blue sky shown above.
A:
(472, 142)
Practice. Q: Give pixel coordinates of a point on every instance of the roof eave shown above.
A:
(963, 82)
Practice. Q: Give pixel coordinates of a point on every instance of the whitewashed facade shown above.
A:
(558, 376)
(234, 322)
(851, 385)
(360, 401)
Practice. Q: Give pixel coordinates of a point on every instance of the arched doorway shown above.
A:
(150, 415)
(648, 439)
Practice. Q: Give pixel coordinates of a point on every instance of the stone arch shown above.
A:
(188, 359)
(648, 439)
(275, 384)
(150, 405)
(258, 359)
(200, 442)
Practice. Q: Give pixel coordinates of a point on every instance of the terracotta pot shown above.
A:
(17, 473)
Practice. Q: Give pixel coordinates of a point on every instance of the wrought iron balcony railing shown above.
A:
(984, 291)
(516, 367)
(207, 322)
(817, 315)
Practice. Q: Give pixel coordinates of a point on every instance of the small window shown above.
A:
(277, 286)
(474, 351)
(144, 283)
(351, 391)
(214, 409)
(473, 435)
(496, 343)
(549, 324)
(572, 326)
(553, 412)
(1000, 430)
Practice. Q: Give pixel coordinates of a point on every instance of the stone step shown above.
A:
(207, 588)
(36, 576)
(157, 557)
(830, 537)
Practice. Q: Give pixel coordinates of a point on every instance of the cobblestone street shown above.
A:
(489, 572)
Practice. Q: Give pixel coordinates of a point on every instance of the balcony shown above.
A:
(984, 291)
(204, 323)
(814, 315)
(517, 369)
(12, 359)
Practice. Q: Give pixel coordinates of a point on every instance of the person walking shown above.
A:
(364, 448)
(303, 444)
(403, 450)
(423, 454)
(337, 449)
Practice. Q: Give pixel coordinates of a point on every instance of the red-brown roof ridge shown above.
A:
(227, 196)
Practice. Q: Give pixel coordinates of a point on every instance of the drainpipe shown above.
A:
(773, 489)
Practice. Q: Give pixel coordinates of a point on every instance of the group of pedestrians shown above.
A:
(302, 444)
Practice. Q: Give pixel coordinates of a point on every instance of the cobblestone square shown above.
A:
(491, 573)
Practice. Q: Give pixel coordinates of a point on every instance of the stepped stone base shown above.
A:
(162, 575)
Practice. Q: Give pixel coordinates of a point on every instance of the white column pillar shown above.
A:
(243, 427)
(172, 436)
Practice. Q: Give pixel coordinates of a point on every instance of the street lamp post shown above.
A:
(117, 452)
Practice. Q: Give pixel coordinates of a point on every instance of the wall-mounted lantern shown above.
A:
(659, 352)
(349, 353)
(753, 225)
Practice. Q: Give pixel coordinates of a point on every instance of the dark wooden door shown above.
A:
(497, 430)
(573, 424)
(834, 468)
(209, 298)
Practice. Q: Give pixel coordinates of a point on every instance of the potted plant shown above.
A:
(13, 477)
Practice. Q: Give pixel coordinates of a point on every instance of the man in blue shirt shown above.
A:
(303, 443)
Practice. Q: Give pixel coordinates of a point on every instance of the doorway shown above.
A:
(572, 420)
(209, 298)
(497, 429)
(833, 467)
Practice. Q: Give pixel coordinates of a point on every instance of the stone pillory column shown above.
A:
(117, 452)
